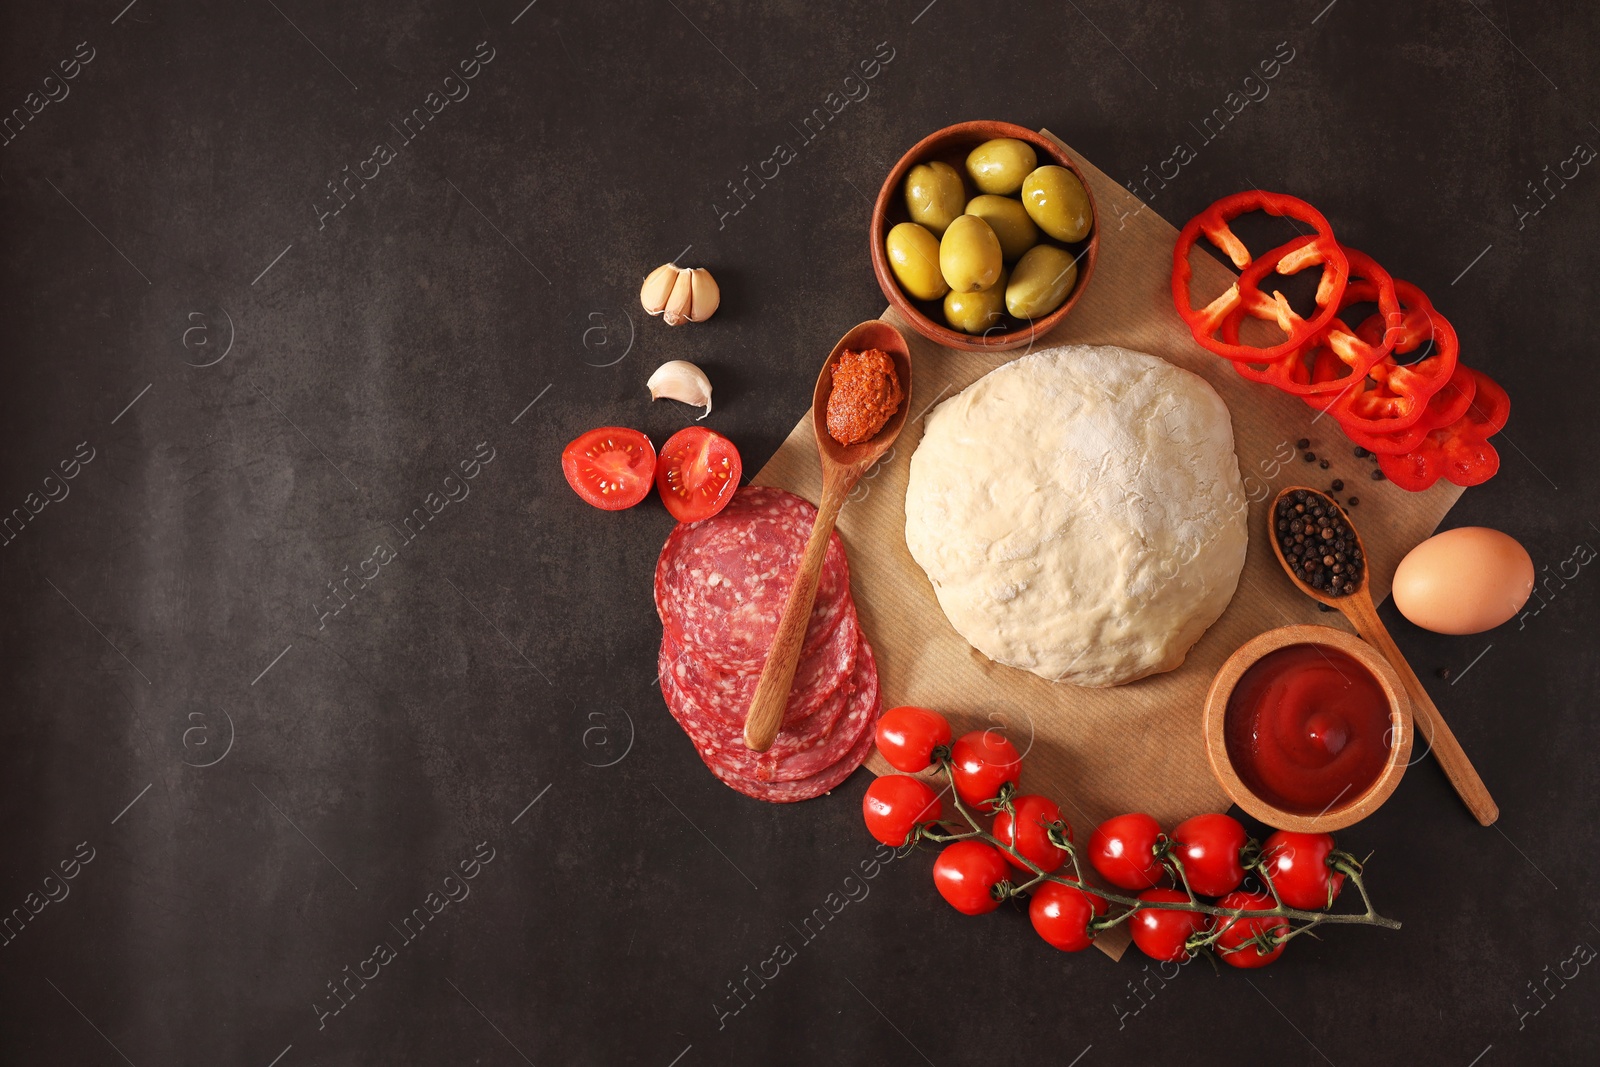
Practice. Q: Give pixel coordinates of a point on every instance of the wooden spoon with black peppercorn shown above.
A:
(1320, 549)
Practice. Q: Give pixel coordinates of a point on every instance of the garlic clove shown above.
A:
(676, 311)
(683, 381)
(657, 287)
(706, 296)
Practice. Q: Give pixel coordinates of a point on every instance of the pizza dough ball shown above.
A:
(1080, 514)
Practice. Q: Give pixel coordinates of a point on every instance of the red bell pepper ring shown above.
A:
(1444, 407)
(1368, 283)
(1291, 258)
(1459, 452)
(1393, 396)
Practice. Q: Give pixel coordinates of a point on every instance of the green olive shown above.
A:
(1009, 220)
(969, 255)
(934, 194)
(977, 312)
(914, 257)
(1040, 281)
(1058, 202)
(998, 166)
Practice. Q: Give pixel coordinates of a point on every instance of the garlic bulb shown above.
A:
(683, 381)
(679, 294)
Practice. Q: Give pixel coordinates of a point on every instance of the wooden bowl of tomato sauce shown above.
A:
(1308, 728)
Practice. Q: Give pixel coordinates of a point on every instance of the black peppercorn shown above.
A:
(1317, 542)
(1354, 501)
(1377, 474)
(1310, 457)
(1338, 484)
(1304, 442)
(1360, 452)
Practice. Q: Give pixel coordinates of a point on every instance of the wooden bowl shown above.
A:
(1354, 809)
(951, 145)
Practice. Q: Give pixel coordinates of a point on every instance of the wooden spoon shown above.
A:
(842, 467)
(1363, 615)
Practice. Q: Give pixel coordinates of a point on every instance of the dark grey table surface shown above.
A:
(253, 790)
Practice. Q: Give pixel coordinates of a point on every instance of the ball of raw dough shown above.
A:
(1080, 514)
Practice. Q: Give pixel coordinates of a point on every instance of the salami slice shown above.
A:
(800, 751)
(804, 788)
(721, 584)
(717, 738)
(727, 694)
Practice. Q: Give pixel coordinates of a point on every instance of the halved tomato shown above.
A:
(610, 467)
(698, 473)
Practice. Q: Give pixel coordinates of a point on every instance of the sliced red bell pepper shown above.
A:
(1290, 258)
(1459, 452)
(1355, 354)
(1444, 407)
(1393, 397)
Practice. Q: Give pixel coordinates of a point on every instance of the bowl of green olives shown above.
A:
(984, 236)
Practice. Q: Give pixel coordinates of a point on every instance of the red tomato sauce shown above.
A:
(1307, 728)
(865, 394)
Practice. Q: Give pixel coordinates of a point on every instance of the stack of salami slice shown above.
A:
(720, 589)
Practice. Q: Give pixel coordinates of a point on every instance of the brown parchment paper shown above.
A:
(1137, 747)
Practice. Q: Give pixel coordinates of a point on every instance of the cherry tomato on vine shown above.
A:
(984, 761)
(1297, 865)
(966, 873)
(1061, 915)
(895, 804)
(698, 473)
(1163, 933)
(610, 467)
(1026, 833)
(907, 736)
(1126, 851)
(1208, 847)
(1236, 945)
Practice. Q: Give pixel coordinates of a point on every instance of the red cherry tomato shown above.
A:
(610, 467)
(984, 761)
(1236, 945)
(907, 736)
(896, 803)
(1027, 833)
(1208, 846)
(966, 873)
(1125, 850)
(698, 473)
(1061, 915)
(1162, 933)
(1297, 865)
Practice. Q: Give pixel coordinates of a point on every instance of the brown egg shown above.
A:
(1463, 581)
